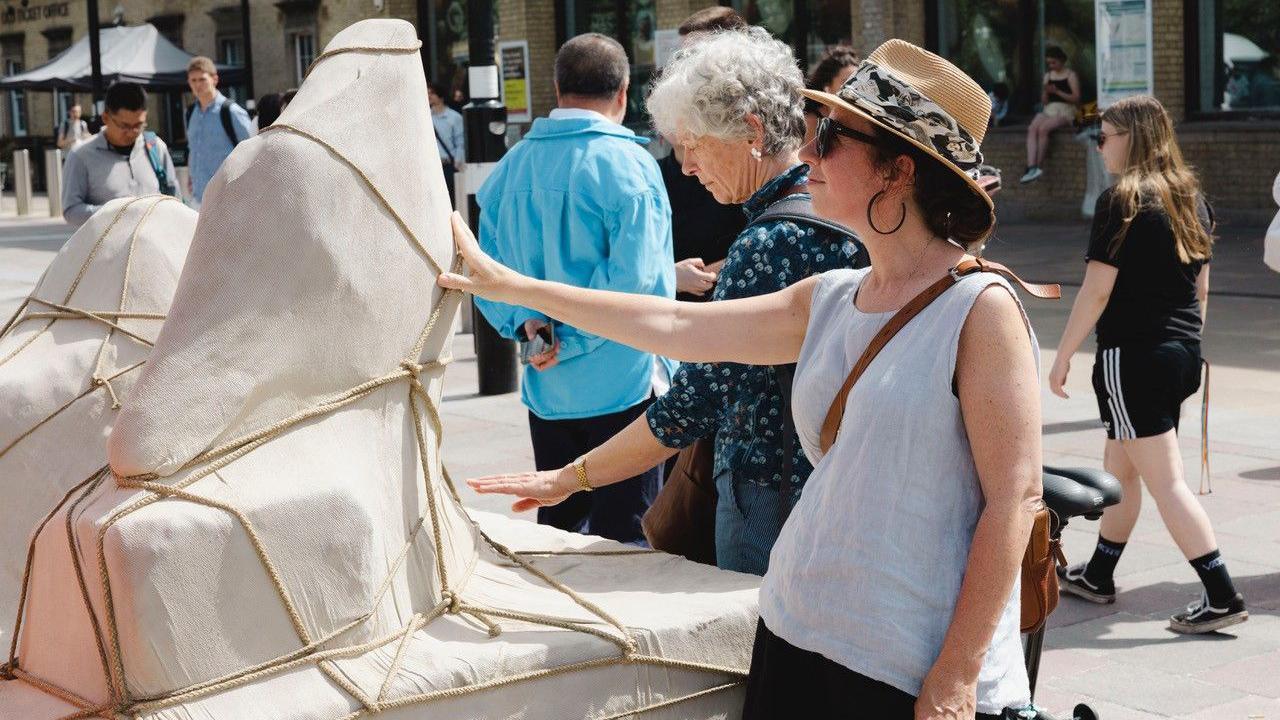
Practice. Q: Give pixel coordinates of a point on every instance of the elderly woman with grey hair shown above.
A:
(732, 102)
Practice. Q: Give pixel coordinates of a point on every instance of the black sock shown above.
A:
(1217, 581)
(1103, 563)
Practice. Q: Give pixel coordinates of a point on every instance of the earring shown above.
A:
(755, 153)
(871, 221)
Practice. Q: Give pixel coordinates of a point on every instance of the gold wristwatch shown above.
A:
(580, 469)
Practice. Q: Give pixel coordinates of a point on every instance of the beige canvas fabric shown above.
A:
(276, 536)
(61, 373)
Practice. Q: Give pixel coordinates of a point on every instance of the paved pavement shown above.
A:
(1119, 658)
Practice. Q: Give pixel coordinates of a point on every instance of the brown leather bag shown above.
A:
(682, 519)
(1039, 581)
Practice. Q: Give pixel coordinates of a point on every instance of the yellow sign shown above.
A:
(513, 63)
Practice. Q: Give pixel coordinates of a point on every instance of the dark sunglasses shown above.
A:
(1102, 138)
(822, 141)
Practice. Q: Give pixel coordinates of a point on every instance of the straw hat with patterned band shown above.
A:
(923, 99)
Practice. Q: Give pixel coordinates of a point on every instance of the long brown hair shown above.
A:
(1156, 177)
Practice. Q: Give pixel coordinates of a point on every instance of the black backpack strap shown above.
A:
(224, 114)
(227, 127)
(799, 208)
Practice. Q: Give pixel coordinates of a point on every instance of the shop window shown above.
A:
(632, 24)
(1001, 44)
(822, 24)
(1233, 66)
(448, 48)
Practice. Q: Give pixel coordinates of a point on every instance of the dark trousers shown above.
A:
(612, 511)
(786, 682)
(449, 172)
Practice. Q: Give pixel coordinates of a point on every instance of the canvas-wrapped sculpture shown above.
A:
(71, 353)
(276, 536)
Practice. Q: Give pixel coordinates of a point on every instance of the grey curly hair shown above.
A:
(710, 86)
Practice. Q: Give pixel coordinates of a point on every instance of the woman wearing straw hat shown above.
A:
(892, 591)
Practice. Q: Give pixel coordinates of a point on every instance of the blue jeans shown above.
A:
(747, 524)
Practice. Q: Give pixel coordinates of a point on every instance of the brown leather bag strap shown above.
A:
(835, 413)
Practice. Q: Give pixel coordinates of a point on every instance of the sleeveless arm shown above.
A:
(764, 330)
(1000, 403)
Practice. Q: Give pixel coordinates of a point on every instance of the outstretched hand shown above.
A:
(534, 489)
(485, 277)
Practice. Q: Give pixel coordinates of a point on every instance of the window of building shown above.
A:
(1233, 50)
(62, 102)
(447, 47)
(1001, 44)
(822, 23)
(304, 53)
(169, 26)
(12, 51)
(17, 102)
(59, 39)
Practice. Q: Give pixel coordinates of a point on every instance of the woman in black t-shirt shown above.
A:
(1145, 288)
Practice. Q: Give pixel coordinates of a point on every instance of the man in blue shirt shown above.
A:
(214, 126)
(451, 138)
(580, 201)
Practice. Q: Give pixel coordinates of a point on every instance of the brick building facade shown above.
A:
(1237, 153)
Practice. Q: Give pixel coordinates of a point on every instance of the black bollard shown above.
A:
(485, 120)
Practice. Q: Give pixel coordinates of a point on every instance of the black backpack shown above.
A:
(225, 114)
(798, 207)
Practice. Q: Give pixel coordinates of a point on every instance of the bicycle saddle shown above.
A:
(1071, 492)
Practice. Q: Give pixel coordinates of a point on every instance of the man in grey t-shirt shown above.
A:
(115, 163)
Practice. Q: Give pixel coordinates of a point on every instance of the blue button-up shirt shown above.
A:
(580, 201)
(742, 404)
(450, 136)
(207, 141)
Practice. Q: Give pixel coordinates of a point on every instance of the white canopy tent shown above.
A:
(136, 53)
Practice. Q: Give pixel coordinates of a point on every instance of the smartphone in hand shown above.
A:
(542, 341)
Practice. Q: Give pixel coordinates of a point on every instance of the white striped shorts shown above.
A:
(1140, 388)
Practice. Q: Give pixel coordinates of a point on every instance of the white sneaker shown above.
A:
(1032, 174)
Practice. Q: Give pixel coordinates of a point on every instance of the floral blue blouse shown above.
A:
(742, 404)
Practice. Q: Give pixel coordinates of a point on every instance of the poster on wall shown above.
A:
(513, 64)
(1123, 49)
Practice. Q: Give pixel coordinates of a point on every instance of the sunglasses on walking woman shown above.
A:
(828, 127)
(1102, 138)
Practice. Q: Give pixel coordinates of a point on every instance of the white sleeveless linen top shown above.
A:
(868, 567)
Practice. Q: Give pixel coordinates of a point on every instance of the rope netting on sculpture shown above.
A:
(109, 318)
(323, 651)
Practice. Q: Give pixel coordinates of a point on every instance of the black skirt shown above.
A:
(786, 682)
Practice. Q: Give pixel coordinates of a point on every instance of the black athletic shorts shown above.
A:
(1140, 388)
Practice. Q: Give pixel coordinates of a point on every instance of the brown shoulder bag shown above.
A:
(1039, 581)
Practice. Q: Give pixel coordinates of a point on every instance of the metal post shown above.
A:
(485, 118)
(22, 180)
(95, 54)
(248, 50)
(53, 180)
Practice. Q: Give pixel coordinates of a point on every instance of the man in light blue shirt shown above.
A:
(450, 135)
(580, 201)
(214, 126)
